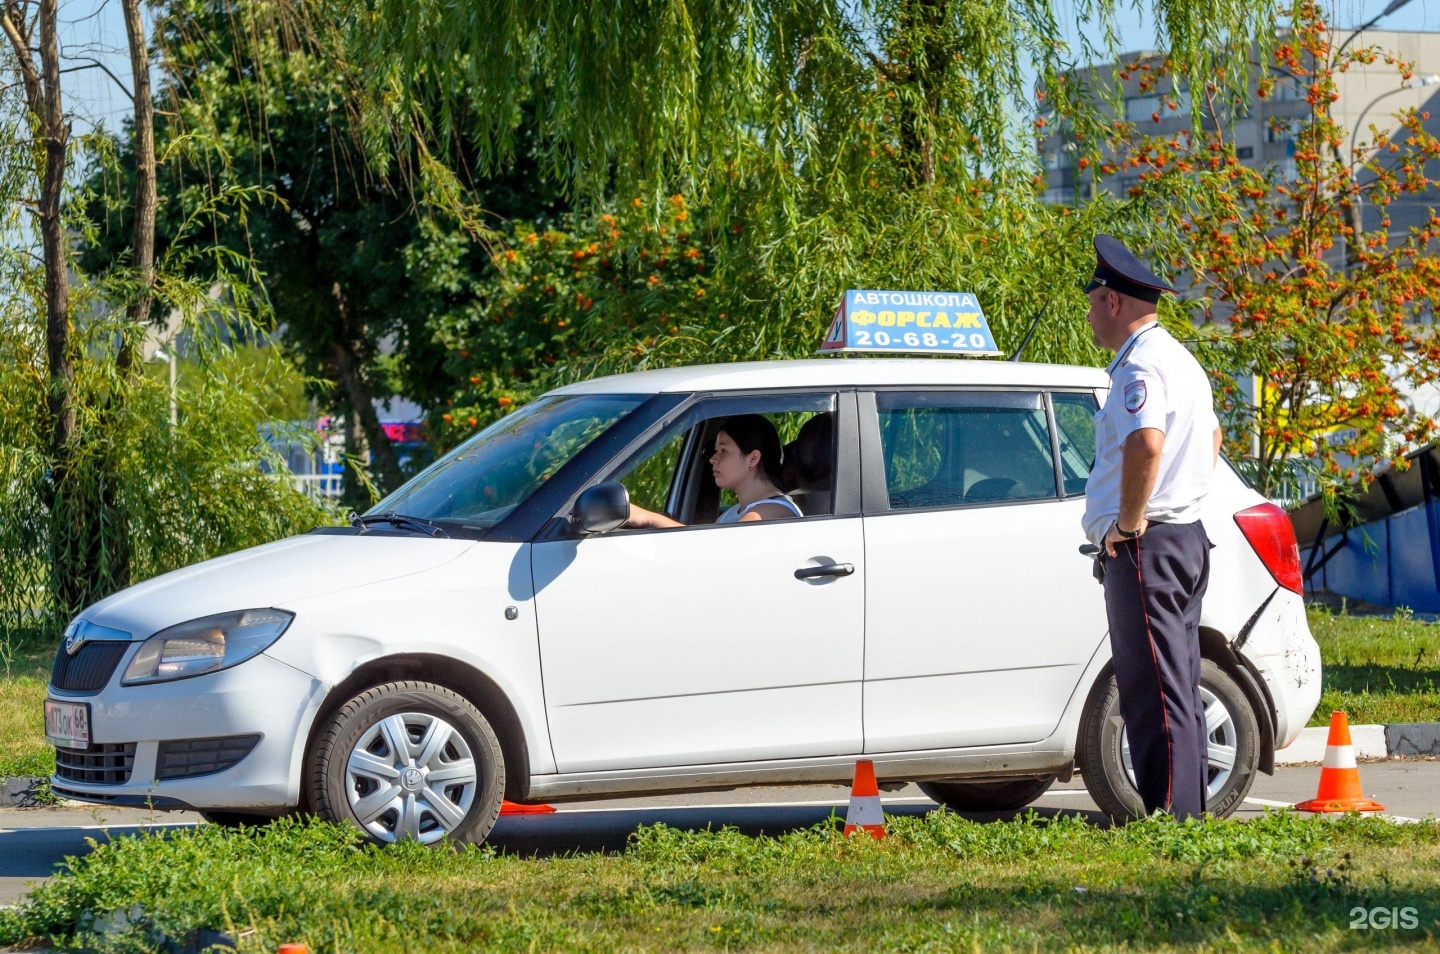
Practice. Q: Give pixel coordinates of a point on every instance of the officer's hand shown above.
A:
(1112, 536)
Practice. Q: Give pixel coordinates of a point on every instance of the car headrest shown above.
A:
(808, 459)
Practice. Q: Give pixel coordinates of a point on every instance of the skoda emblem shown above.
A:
(412, 780)
(73, 639)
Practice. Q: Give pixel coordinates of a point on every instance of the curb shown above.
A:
(1406, 740)
(21, 791)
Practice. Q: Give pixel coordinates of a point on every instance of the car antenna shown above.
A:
(1034, 323)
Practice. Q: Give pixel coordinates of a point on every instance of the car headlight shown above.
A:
(206, 645)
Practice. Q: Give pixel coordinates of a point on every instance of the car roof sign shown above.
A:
(910, 322)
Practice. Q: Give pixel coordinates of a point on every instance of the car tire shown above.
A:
(409, 760)
(1101, 750)
(993, 795)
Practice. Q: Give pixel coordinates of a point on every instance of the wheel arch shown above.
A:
(1216, 648)
(446, 671)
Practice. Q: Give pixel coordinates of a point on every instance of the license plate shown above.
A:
(67, 724)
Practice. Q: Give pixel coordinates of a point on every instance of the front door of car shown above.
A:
(981, 615)
(700, 645)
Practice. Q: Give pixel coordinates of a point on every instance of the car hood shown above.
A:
(271, 575)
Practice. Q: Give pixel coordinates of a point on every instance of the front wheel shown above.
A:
(409, 760)
(990, 795)
(1233, 753)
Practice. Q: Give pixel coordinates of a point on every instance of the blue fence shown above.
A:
(1392, 558)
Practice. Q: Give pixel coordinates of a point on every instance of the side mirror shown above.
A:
(601, 508)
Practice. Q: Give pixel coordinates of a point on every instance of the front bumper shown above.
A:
(261, 696)
(1287, 657)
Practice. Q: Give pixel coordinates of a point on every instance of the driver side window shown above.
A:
(650, 481)
(672, 473)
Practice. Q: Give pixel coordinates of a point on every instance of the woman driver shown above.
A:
(747, 461)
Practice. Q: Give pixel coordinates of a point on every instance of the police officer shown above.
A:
(1156, 443)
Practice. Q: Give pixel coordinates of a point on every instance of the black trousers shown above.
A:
(1153, 588)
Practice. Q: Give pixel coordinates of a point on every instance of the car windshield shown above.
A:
(480, 482)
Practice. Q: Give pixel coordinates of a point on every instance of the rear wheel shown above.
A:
(409, 760)
(1103, 752)
(994, 795)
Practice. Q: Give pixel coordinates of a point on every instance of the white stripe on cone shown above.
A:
(864, 811)
(1339, 757)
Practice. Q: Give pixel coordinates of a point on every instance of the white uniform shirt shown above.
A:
(1154, 382)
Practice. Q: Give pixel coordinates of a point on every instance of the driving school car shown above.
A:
(492, 629)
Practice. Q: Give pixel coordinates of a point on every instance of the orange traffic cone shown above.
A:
(864, 812)
(1339, 778)
(515, 808)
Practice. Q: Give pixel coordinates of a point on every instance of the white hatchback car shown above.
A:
(490, 630)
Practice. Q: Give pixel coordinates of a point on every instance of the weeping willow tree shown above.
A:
(821, 144)
(148, 478)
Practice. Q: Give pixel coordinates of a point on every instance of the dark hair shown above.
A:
(751, 432)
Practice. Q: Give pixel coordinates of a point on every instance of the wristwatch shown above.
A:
(1128, 534)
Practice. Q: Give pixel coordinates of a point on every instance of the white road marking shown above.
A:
(1271, 803)
(832, 803)
(16, 831)
(1268, 802)
(824, 803)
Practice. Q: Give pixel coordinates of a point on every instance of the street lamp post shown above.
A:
(1416, 83)
(163, 355)
(1357, 221)
(1357, 215)
(1390, 8)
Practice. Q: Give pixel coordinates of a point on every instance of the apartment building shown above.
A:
(1265, 132)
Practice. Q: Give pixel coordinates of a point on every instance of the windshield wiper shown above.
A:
(398, 520)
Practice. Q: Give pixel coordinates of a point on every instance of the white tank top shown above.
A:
(734, 514)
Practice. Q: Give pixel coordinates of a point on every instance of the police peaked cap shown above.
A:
(1117, 269)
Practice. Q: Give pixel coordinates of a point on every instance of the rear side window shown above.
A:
(959, 449)
(1075, 424)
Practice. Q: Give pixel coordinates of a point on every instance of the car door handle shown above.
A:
(832, 569)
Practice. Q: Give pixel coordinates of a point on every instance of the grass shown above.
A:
(1377, 669)
(22, 719)
(938, 883)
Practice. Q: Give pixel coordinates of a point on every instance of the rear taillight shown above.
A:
(1270, 533)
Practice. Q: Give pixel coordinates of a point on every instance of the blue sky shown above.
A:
(1138, 32)
(95, 29)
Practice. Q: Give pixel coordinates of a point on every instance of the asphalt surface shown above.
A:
(34, 842)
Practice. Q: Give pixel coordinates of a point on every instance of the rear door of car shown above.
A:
(980, 614)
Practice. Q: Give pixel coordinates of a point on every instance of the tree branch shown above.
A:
(97, 65)
(142, 244)
(20, 40)
(880, 65)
